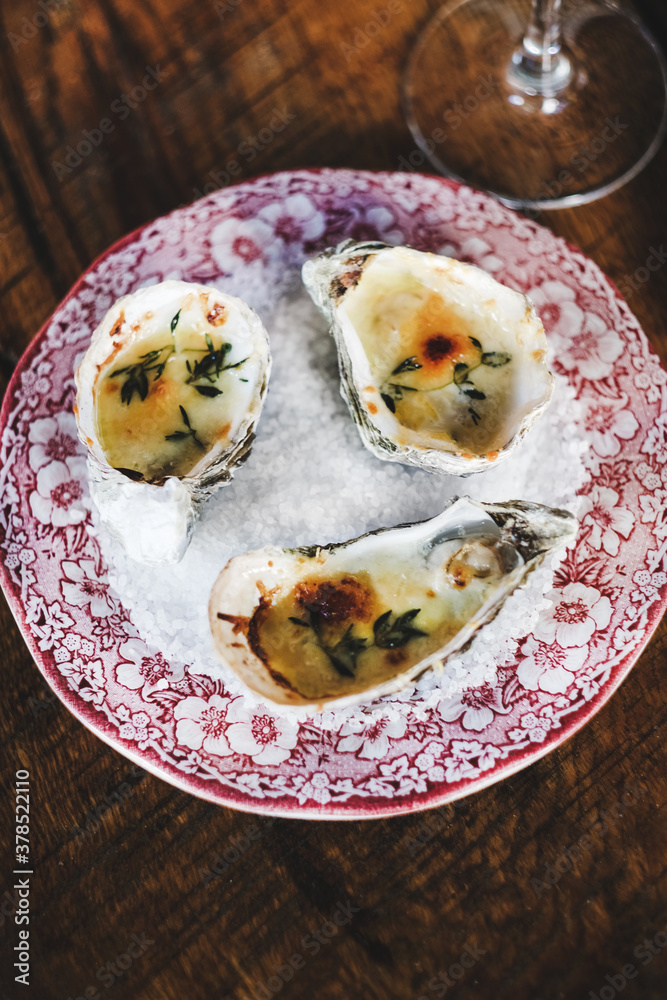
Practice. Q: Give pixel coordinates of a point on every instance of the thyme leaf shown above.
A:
(208, 390)
(392, 393)
(182, 435)
(388, 401)
(210, 367)
(409, 365)
(344, 654)
(391, 635)
(174, 321)
(461, 372)
(496, 359)
(136, 379)
(387, 634)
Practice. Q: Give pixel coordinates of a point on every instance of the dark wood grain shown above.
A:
(420, 888)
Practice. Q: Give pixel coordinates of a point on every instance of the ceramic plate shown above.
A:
(608, 595)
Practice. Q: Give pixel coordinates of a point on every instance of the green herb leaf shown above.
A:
(496, 359)
(137, 378)
(474, 394)
(409, 365)
(344, 654)
(211, 365)
(460, 372)
(208, 390)
(475, 416)
(300, 621)
(181, 435)
(237, 364)
(174, 321)
(137, 382)
(388, 402)
(391, 635)
(475, 343)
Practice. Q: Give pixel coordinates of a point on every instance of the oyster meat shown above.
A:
(340, 624)
(441, 366)
(168, 396)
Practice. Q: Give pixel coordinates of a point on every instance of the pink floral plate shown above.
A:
(608, 595)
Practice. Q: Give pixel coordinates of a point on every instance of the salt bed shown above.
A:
(309, 480)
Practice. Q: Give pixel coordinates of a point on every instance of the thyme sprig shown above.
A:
(393, 391)
(386, 635)
(409, 365)
(137, 375)
(182, 435)
(391, 635)
(210, 367)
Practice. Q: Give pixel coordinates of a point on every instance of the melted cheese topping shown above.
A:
(446, 367)
(347, 627)
(170, 396)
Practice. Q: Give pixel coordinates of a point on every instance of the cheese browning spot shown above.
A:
(336, 602)
(217, 315)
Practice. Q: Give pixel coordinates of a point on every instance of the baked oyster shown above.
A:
(441, 366)
(168, 396)
(339, 624)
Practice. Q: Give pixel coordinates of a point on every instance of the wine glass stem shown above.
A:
(539, 64)
(542, 40)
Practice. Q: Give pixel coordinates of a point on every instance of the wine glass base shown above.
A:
(479, 120)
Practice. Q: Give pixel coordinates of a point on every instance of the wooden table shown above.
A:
(465, 890)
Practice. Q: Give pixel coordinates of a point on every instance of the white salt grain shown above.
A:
(310, 480)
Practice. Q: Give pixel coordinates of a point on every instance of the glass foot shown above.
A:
(480, 113)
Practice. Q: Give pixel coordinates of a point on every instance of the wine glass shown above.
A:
(543, 103)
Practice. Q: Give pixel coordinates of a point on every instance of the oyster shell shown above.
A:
(168, 396)
(340, 624)
(441, 366)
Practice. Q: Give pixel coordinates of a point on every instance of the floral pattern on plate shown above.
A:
(608, 595)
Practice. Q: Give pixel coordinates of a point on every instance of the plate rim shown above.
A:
(216, 792)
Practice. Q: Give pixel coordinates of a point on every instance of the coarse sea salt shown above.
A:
(309, 480)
